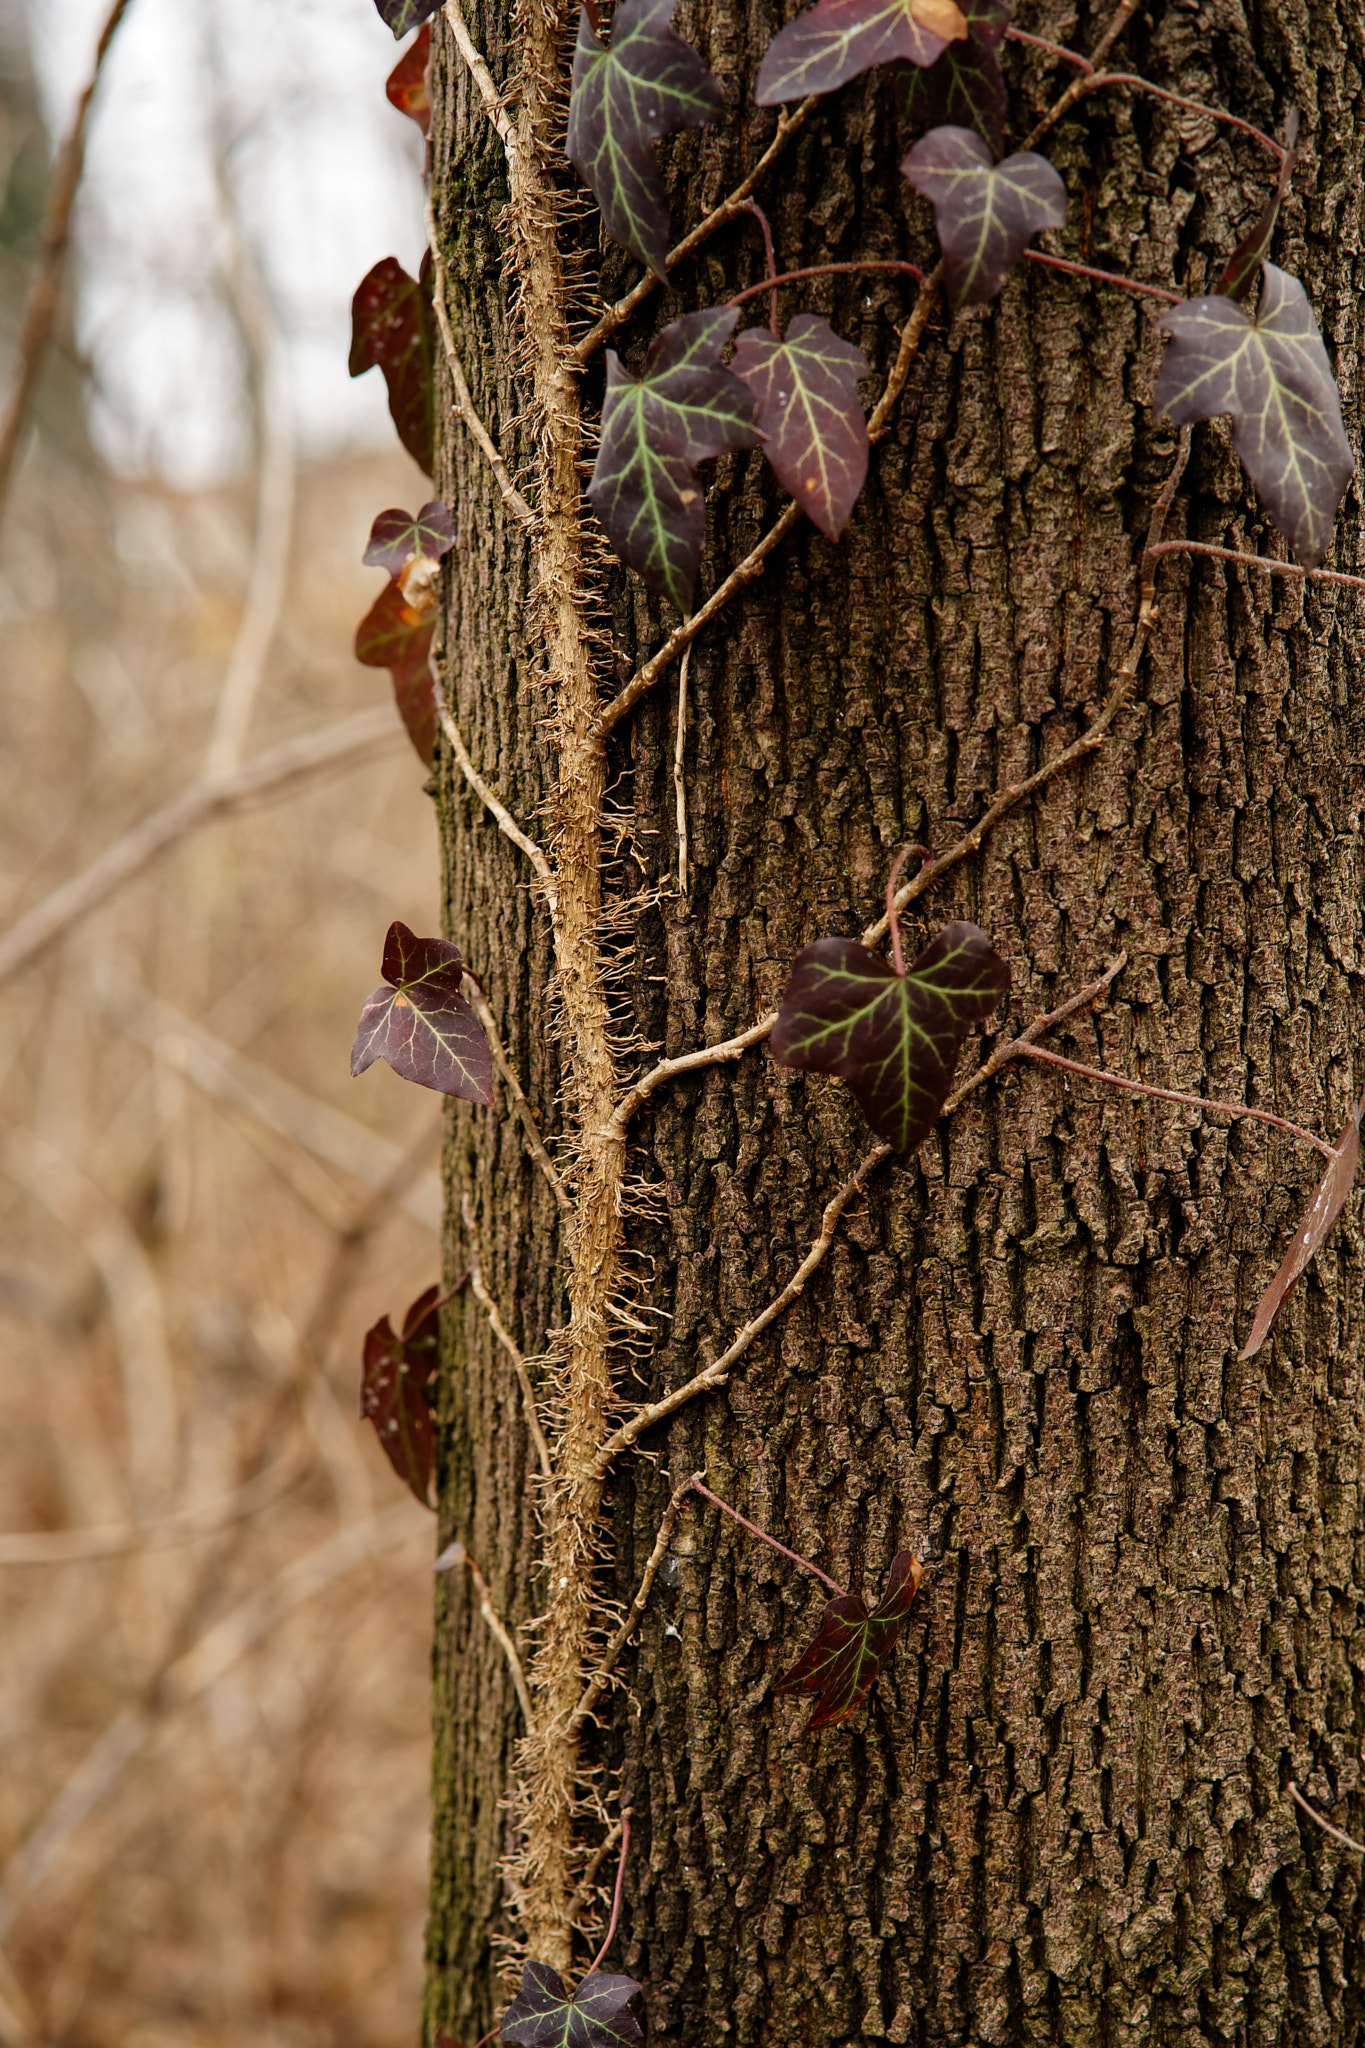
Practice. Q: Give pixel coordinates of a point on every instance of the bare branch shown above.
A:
(504, 1337)
(1346, 1841)
(716, 1375)
(535, 1143)
(497, 810)
(41, 305)
(601, 1678)
(455, 1554)
(482, 77)
(464, 403)
(617, 315)
(73, 1546)
(269, 774)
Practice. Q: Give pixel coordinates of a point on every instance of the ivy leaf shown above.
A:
(1329, 1199)
(648, 83)
(409, 84)
(393, 326)
(394, 1383)
(810, 413)
(1270, 371)
(839, 39)
(543, 2015)
(397, 636)
(1243, 266)
(645, 488)
(402, 15)
(985, 213)
(421, 1024)
(965, 88)
(894, 1038)
(397, 536)
(842, 1664)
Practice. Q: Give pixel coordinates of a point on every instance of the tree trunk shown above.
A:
(1063, 1816)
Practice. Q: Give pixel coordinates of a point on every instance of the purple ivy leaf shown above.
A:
(839, 39)
(810, 413)
(393, 326)
(1329, 1199)
(421, 1024)
(409, 83)
(894, 1038)
(645, 488)
(649, 83)
(394, 1383)
(1270, 371)
(397, 536)
(985, 213)
(397, 636)
(965, 87)
(1243, 267)
(403, 15)
(842, 1664)
(544, 2015)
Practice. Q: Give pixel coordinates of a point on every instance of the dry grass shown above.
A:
(213, 1750)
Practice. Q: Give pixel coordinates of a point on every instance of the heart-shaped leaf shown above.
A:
(403, 15)
(421, 1024)
(1329, 1199)
(842, 1663)
(393, 326)
(986, 213)
(543, 2015)
(894, 1038)
(649, 83)
(397, 536)
(1271, 373)
(1243, 268)
(645, 488)
(839, 39)
(810, 413)
(409, 83)
(965, 87)
(396, 1375)
(395, 635)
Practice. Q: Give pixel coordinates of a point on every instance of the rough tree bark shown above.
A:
(1064, 1816)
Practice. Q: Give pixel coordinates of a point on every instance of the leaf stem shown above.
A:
(1127, 284)
(1263, 1116)
(891, 918)
(822, 270)
(616, 1895)
(697, 1486)
(752, 206)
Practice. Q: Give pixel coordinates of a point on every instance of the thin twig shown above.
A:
(508, 1343)
(716, 1375)
(535, 1143)
(583, 1889)
(688, 1062)
(601, 1678)
(1003, 1054)
(455, 1553)
(40, 307)
(1200, 547)
(880, 418)
(679, 784)
(1346, 1841)
(616, 1895)
(1078, 88)
(617, 315)
(626, 699)
(185, 1525)
(194, 806)
(1263, 1116)
(464, 403)
(697, 1486)
(499, 811)
(482, 76)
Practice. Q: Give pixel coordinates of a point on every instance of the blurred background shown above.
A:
(214, 1595)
